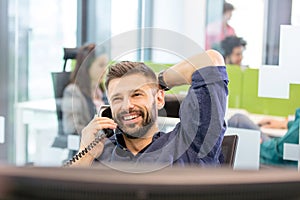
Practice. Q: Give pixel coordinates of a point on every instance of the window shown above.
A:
(124, 18)
(52, 26)
(41, 30)
(247, 20)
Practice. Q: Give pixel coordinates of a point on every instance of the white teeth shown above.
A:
(130, 117)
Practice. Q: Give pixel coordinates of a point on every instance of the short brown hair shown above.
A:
(227, 7)
(125, 68)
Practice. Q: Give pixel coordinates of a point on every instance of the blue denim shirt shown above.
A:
(196, 139)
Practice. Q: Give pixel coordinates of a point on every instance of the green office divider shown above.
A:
(269, 106)
(235, 86)
(157, 67)
(250, 91)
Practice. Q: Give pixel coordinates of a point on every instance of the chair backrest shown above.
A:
(69, 53)
(229, 146)
(172, 105)
(60, 81)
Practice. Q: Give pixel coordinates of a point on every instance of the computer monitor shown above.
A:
(169, 183)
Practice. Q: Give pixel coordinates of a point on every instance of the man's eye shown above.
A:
(117, 99)
(137, 94)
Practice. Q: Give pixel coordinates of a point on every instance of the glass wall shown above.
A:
(240, 22)
(250, 27)
(185, 18)
(51, 26)
(40, 29)
(125, 16)
(295, 13)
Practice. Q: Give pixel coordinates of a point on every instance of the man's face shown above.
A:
(134, 100)
(236, 56)
(227, 15)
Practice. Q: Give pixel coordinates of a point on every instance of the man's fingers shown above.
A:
(102, 125)
(264, 123)
(98, 124)
(103, 120)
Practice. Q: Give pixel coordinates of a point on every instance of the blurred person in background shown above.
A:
(85, 92)
(271, 149)
(232, 49)
(218, 30)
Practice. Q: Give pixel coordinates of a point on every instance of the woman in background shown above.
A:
(85, 92)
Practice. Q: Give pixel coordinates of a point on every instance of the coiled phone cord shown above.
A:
(107, 133)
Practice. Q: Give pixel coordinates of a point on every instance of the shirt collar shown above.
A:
(120, 142)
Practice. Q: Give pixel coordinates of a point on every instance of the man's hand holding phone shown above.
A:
(88, 135)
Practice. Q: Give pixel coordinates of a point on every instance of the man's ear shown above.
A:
(160, 99)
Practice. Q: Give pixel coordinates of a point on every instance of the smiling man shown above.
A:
(136, 94)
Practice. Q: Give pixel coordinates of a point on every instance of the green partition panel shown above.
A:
(157, 67)
(249, 91)
(294, 100)
(268, 106)
(235, 77)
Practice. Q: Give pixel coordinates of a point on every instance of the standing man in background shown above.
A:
(219, 30)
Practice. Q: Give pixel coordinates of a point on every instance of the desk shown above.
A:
(37, 112)
(256, 118)
(248, 148)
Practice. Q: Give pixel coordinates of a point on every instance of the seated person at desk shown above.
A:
(232, 50)
(135, 97)
(83, 94)
(271, 149)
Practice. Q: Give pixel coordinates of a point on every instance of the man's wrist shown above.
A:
(161, 82)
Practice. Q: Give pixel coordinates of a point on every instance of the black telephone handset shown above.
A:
(104, 111)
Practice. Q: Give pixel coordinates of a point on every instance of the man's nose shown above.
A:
(127, 104)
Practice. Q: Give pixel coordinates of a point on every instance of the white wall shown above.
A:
(186, 17)
(295, 13)
(247, 20)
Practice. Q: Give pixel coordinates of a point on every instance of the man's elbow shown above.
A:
(216, 58)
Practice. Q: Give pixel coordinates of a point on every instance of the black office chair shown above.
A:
(60, 80)
(229, 147)
(172, 105)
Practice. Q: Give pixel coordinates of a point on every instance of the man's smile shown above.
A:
(132, 117)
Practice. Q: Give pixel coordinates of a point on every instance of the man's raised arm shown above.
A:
(181, 73)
